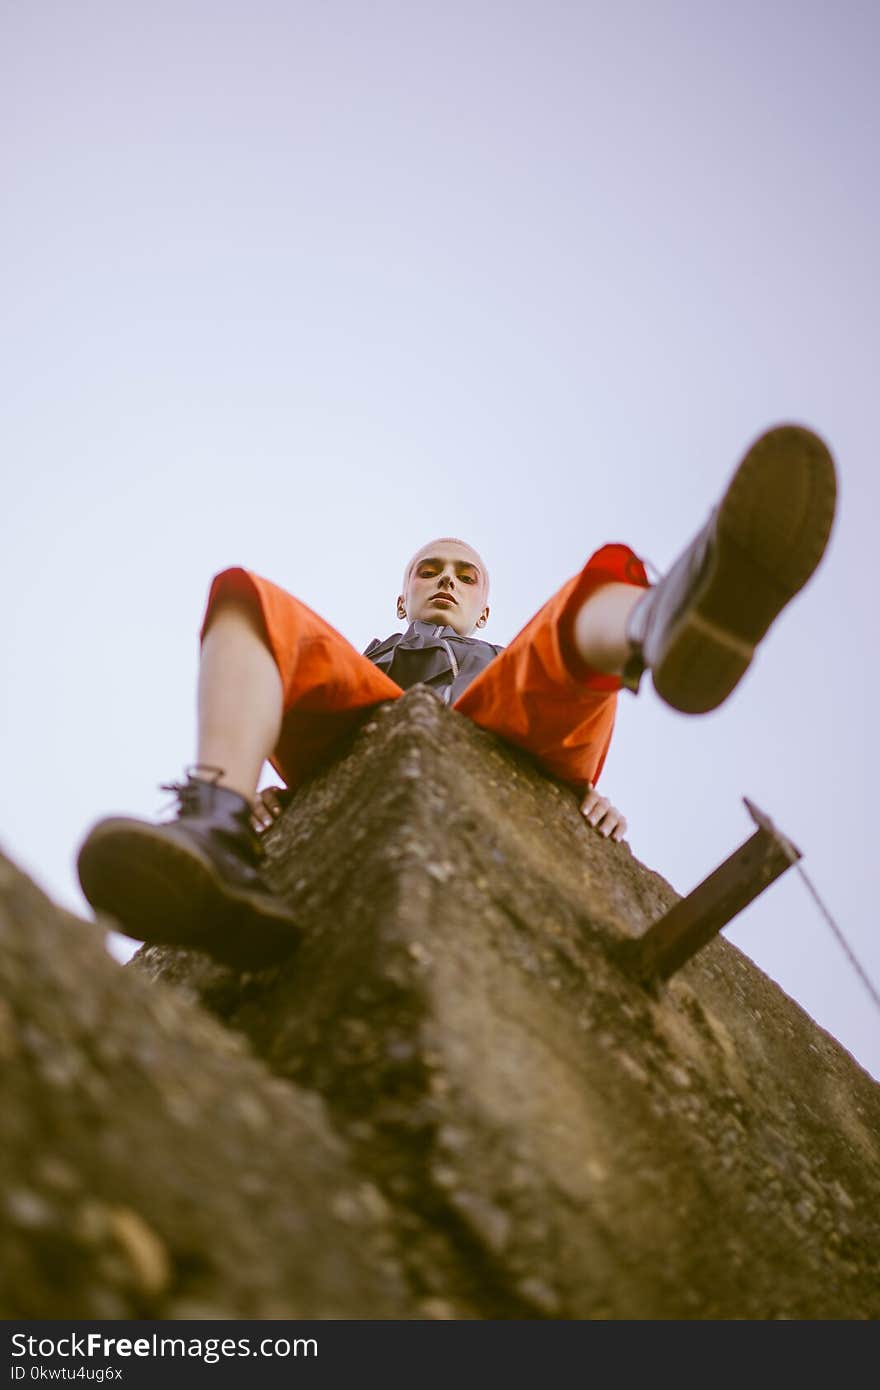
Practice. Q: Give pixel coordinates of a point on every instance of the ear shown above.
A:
(484, 617)
(401, 606)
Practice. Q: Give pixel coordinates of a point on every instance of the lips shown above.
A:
(447, 597)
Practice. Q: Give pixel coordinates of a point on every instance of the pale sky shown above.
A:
(299, 287)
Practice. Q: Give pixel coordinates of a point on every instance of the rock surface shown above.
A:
(450, 1101)
(151, 1167)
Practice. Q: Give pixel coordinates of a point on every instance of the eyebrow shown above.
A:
(438, 560)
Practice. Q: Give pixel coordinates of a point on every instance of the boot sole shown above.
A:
(771, 532)
(168, 894)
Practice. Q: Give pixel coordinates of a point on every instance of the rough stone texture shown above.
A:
(151, 1168)
(475, 1100)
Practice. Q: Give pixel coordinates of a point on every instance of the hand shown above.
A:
(601, 815)
(268, 805)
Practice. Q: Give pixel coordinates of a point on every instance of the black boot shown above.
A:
(193, 882)
(697, 629)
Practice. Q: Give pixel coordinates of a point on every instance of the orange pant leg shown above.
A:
(327, 684)
(540, 695)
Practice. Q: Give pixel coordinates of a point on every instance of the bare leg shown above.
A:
(240, 698)
(600, 627)
(196, 881)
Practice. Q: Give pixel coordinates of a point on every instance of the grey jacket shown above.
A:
(433, 655)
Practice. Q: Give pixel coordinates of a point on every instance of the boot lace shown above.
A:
(186, 793)
(188, 797)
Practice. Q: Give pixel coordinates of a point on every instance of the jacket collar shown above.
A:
(430, 630)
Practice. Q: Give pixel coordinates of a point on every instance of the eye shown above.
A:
(467, 578)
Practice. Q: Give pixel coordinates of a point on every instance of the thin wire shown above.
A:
(841, 938)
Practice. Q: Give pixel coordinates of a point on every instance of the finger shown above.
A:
(261, 816)
(597, 810)
(608, 823)
(281, 798)
(268, 806)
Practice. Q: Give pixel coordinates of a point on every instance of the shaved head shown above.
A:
(429, 547)
(446, 583)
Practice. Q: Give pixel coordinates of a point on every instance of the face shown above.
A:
(446, 583)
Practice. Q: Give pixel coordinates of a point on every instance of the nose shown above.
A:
(445, 580)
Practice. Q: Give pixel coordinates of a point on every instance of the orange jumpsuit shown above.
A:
(537, 693)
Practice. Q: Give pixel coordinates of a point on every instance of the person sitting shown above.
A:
(278, 684)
